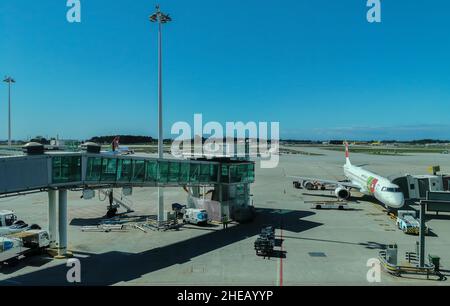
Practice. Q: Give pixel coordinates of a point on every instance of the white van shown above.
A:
(195, 216)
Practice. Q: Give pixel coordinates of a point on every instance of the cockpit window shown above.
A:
(388, 189)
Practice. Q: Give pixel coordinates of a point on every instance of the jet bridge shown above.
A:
(54, 172)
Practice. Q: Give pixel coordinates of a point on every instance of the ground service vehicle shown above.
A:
(195, 216)
(408, 223)
(10, 225)
(265, 243)
(7, 218)
(22, 245)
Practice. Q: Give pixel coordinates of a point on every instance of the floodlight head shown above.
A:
(9, 80)
(159, 16)
(165, 18)
(153, 18)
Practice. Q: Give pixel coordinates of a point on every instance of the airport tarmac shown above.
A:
(320, 247)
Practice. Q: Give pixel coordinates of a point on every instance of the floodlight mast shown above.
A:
(161, 19)
(10, 81)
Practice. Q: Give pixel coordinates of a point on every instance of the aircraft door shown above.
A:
(424, 186)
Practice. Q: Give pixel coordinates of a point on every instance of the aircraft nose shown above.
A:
(397, 200)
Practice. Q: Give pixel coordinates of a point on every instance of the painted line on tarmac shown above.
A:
(281, 259)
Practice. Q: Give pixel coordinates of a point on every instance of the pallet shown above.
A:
(330, 205)
(103, 228)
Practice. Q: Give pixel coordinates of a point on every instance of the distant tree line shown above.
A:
(420, 142)
(293, 141)
(340, 142)
(131, 139)
(124, 139)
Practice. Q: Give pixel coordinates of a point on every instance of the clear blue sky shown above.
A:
(316, 66)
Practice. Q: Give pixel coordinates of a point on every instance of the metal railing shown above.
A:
(399, 270)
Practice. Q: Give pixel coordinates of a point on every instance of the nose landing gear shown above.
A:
(111, 213)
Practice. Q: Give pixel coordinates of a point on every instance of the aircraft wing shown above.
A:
(326, 182)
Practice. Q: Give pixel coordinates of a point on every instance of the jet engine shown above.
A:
(308, 185)
(342, 193)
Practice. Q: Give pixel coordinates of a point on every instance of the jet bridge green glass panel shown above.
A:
(238, 173)
(66, 169)
(124, 170)
(138, 171)
(109, 170)
(174, 172)
(194, 173)
(84, 170)
(93, 169)
(202, 173)
(209, 172)
(151, 171)
(105, 169)
(186, 172)
(163, 171)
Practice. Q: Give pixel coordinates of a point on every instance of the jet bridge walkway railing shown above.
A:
(86, 170)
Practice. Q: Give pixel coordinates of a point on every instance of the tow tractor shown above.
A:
(407, 221)
(265, 243)
(10, 225)
(22, 245)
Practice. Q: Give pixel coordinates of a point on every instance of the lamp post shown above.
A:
(10, 81)
(160, 18)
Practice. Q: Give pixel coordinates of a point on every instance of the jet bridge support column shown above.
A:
(62, 223)
(422, 235)
(161, 217)
(52, 215)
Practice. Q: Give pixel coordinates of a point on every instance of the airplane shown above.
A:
(364, 181)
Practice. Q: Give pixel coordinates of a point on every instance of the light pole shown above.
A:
(161, 19)
(10, 81)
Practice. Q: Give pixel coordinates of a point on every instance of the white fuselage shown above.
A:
(375, 185)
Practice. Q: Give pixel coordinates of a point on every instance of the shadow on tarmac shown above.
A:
(36, 261)
(97, 221)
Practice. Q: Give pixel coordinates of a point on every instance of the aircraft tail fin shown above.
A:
(347, 154)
